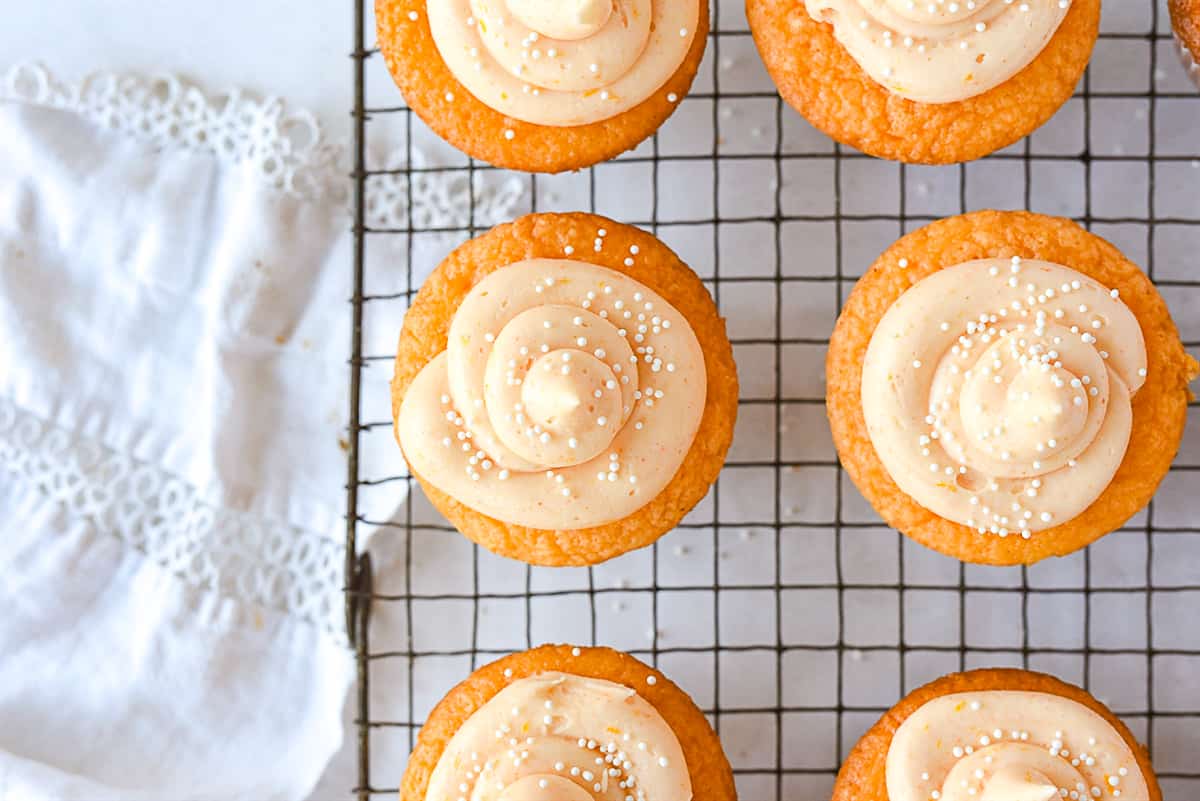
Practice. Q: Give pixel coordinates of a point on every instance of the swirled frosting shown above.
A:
(567, 397)
(1002, 745)
(563, 62)
(560, 737)
(941, 51)
(997, 393)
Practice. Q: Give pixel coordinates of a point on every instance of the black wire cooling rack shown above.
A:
(1151, 576)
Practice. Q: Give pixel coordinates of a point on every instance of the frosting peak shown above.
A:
(941, 51)
(997, 392)
(563, 62)
(1003, 745)
(561, 737)
(1017, 783)
(568, 20)
(567, 397)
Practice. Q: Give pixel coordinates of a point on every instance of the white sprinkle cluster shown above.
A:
(976, 783)
(553, 351)
(599, 765)
(995, 347)
(887, 38)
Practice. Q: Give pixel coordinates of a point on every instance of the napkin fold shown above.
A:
(174, 277)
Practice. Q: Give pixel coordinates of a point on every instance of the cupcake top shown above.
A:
(1004, 745)
(563, 62)
(941, 51)
(997, 392)
(564, 737)
(567, 397)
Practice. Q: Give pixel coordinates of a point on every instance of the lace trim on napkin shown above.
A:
(440, 199)
(287, 147)
(232, 553)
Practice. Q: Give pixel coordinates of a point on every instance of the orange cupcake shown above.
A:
(997, 734)
(925, 82)
(1005, 386)
(1185, 20)
(564, 389)
(574, 724)
(543, 85)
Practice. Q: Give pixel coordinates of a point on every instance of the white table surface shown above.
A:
(298, 51)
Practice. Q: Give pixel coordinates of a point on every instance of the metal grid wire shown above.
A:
(807, 617)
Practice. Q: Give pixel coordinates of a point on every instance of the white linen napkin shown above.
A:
(174, 278)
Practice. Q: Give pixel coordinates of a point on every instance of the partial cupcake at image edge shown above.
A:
(925, 82)
(543, 85)
(564, 389)
(998, 733)
(569, 723)
(1185, 21)
(1006, 386)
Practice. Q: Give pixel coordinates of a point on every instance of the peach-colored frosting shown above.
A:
(568, 396)
(561, 737)
(997, 392)
(1003, 745)
(941, 51)
(563, 62)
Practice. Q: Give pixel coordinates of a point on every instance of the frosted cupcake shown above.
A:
(543, 85)
(998, 735)
(564, 389)
(1005, 386)
(562, 723)
(934, 81)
